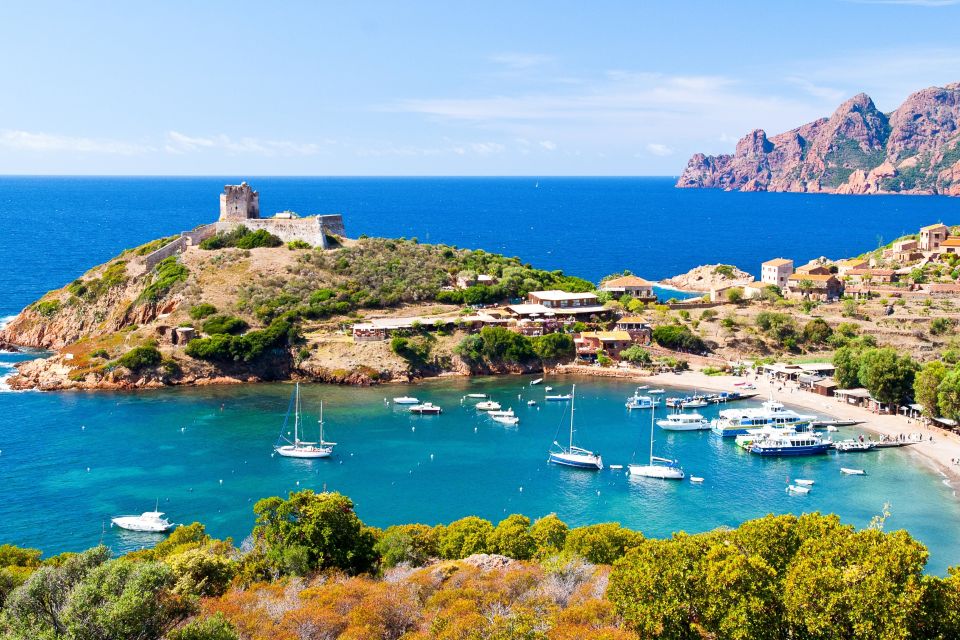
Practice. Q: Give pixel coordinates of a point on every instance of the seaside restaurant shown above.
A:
(555, 303)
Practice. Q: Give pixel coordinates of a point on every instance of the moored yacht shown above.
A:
(405, 400)
(426, 409)
(149, 521)
(298, 448)
(658, 467)
(684, 422)
(573, 456)
(736, 422)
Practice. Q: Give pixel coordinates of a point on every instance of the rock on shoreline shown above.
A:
(706, 277)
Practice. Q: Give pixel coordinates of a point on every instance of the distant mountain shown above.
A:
(915, 149)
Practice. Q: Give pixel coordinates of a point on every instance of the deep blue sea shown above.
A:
(69, 461)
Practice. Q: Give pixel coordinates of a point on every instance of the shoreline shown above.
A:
(937, 454)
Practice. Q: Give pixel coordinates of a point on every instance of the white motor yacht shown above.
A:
(149, 521)
(405, 400)
(488, 405)
(684, 422)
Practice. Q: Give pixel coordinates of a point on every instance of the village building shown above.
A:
(872, 275)
(932, 236)
(851, 264)
(814, 269)
(776, 272)
(950, 245)
(466, 281)
(558, 304)
(814, 286)
(638, 328)
(612, 343)
(630, 285)
(784, 371)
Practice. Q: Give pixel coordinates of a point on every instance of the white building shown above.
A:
(776, 272)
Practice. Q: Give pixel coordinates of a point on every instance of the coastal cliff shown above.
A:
(222, 314)
(858, 150)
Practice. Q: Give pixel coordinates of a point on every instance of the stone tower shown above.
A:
(239, 202)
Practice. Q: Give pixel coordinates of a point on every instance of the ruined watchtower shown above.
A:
(239, 202)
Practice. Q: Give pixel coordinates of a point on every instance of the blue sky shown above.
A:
(441, 88)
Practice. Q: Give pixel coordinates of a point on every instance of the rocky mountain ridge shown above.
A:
(858, 150)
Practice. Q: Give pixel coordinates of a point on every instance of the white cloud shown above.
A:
(549, 145)
(659, 149)
(41, 142)
(178, 143)
(486, 148)
(818, 91)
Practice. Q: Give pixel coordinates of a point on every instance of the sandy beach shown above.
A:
(938, 452)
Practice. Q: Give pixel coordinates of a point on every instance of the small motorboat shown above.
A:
(537, 381)
(693, 403)
(510, 420)
(656, 391)
(852, 472)
(479, 396)
(558, 398)
(696, 479)
(684, 422)
(641, 402)
(548, 388)
(405, 400)
(845, 446)
(426, 409)
(531, 403)
(488, 405)
(148, 521)
(803, 483)
(615, 467)
(501, 414)
(798, 489)
(643, 387)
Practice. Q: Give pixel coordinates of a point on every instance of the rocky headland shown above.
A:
(706, 277)
(858, 150)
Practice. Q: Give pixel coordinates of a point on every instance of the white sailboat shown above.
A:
(662, 468)
(572, 456)
(298, 448)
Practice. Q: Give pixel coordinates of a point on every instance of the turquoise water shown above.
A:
(75, 459)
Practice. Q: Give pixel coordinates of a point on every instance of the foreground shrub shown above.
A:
(241, 238)
(202, 310)
(224, 324)
(140, 358)
(465, 537)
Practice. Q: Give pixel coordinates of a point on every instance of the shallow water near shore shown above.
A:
(70, 461)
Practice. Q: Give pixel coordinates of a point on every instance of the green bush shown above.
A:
(246, 348)
(678, 338)
(601, 543)
(100, 353)
(465, 537)
(636, 354)
(215, 627)
(414, 544)
(47, 308)
(298, 244)
(167, 273)
(224, 324)
(140, 358)
(512, 538)
(553, 346)
(202, 310)
(940, 326)
(241, 238)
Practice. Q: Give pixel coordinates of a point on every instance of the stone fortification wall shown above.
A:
(199, 234)
(170, 249)
(312, 230)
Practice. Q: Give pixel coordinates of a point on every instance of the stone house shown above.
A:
(871, 275)
(950, 245)
(932, 236)
(822, 286)
(637, 327)
(776, 272)
(589, 343)
(632, 285)
(845, 266)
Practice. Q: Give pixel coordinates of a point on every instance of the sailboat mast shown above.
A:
(321, 423)
(296, 418)
(653, 410)
(573, 401)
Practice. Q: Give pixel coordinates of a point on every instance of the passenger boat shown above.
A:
(298, 448)
(148, 521)
(573, 456)
(684, 422)
(427, 408)
(797, 443)
(736, 422)
(559, 398)
(845, 446)
(488, 405)
(662, 468)
(641, 402)
(852, 472)
(405, 400)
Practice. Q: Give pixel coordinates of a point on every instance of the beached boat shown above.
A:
(426, 409)
(684, 422)
(488, 405)
(405, 400)
(736, 422)
(846, 446)
(797, 443)
(148, 521)
(298, 448)
(657, 467)
(559, 398)
(573, 456)
(852, 472)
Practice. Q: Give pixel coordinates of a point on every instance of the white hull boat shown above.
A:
(537, 381)
(803, 483)
(488, 405)
(298, 448)
(662, 468)
(531, 403)
(573, 456)
(148, 521)
(852, 472)
(548, 389)
(696, 479)
(845, 446)
(426, 409)
(405, 400)
(479, 396)
(798, 490)
(558, 398)
(656, 391)
(684, 422)
(511, 421)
